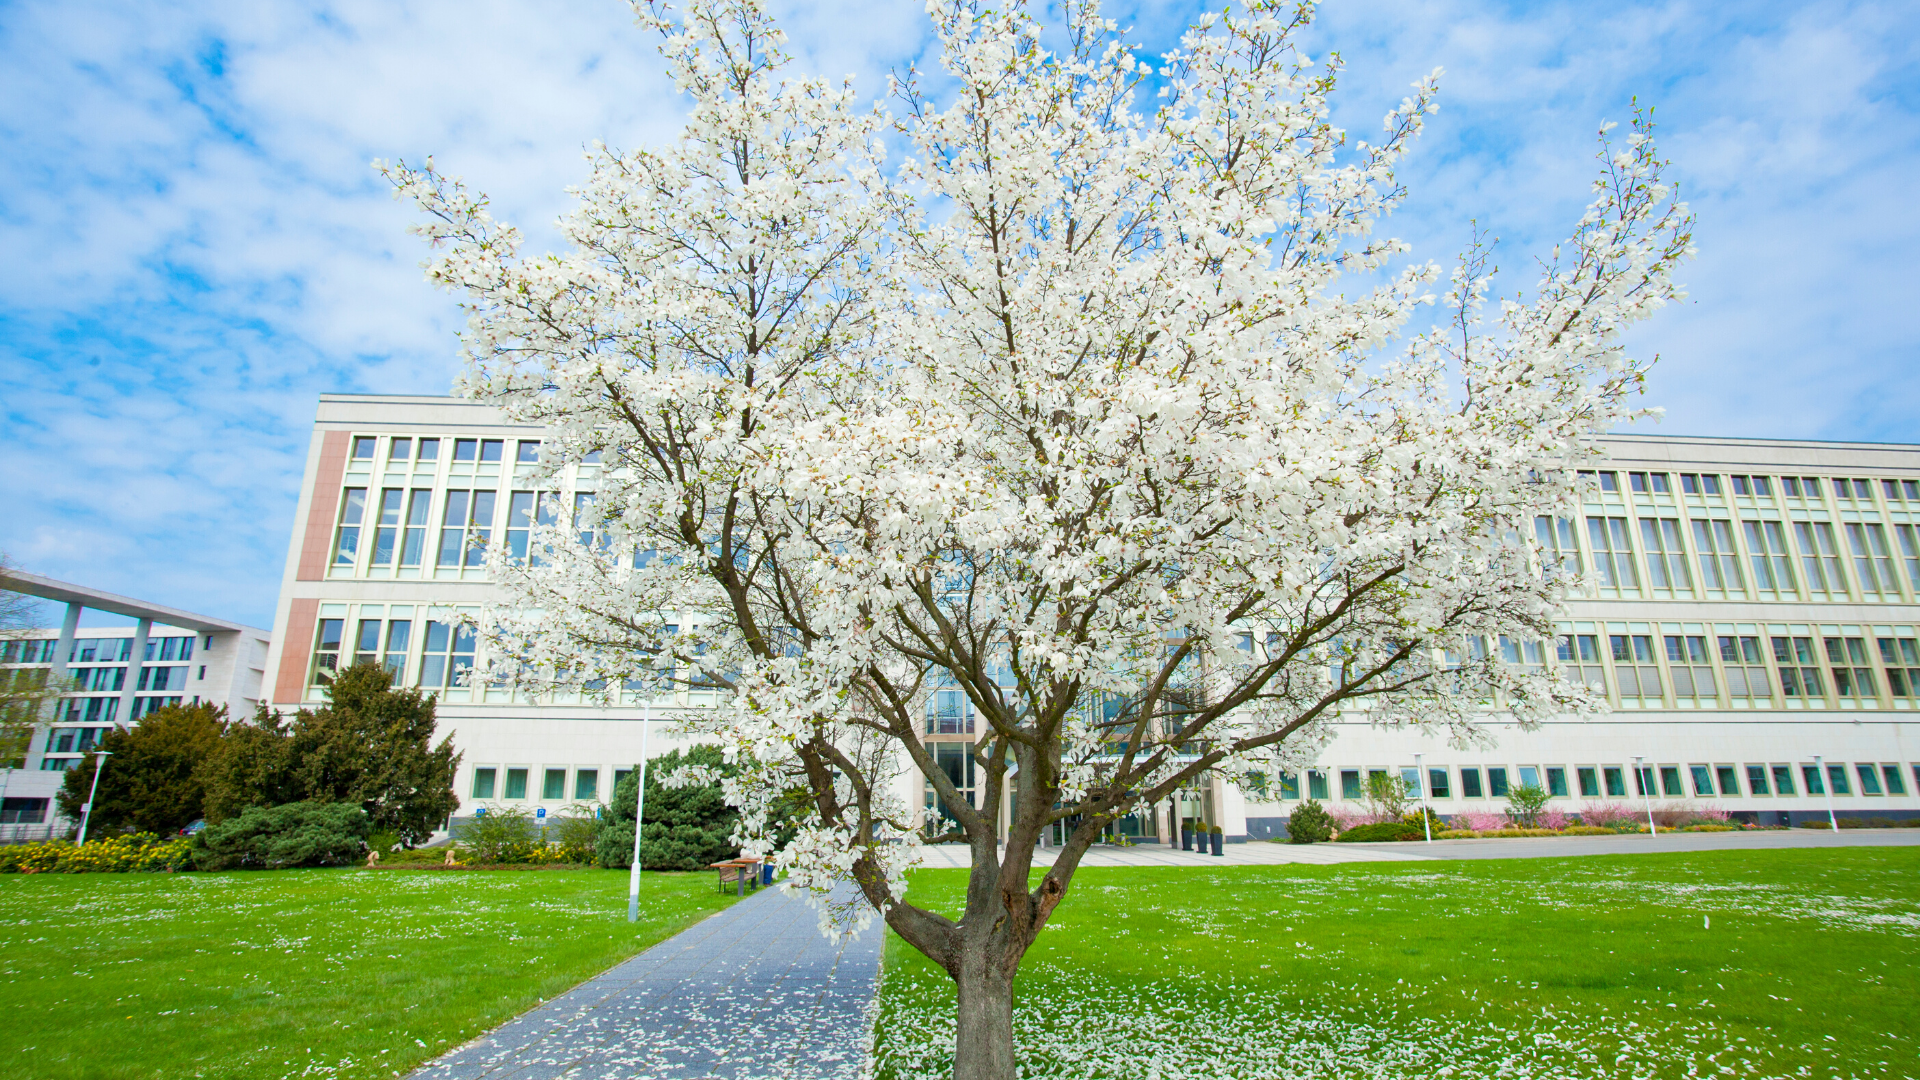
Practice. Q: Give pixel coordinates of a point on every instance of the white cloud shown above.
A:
(200, 246)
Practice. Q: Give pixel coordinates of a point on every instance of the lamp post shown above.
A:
(1826, 785)
(1646, 793)
(86, 808)
(639, 814)
(1420, 786)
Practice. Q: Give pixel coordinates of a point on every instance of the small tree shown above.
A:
(150, 782)
(1524, 804)
(25, 693)
(251, 767)
(1387, 796)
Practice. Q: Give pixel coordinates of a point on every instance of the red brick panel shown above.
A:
(297, 651)
(316, 543)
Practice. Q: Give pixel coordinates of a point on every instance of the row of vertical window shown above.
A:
(1675, 781)
(509, 783)
(446, 654)
(1806, 666)
(105, 679)
(1815, 561)
(402, 525)
(94, 650)
(401, 448)
(1845, 489)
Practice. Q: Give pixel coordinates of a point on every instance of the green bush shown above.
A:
(502, 835)
(687, 828)
(571, 837)
(135, 853)
(278, 837)
(1309, 824)
(1381, 830)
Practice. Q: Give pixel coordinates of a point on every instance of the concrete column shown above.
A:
(63, 650)
(133, 671)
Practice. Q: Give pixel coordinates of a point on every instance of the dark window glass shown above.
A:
(429, 449)
(490, 450)
(527, 451)
(363, 448)
(465, 449)
(400, 449)
(483, 783)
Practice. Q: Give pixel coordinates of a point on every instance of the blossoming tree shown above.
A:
(1064, 414)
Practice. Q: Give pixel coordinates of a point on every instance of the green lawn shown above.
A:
(336, 973)
(1793, 963)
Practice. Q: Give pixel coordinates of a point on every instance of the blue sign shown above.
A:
(540, 813)
(480, 811)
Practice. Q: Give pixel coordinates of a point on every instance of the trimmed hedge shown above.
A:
(1379, 831)
(135, 853)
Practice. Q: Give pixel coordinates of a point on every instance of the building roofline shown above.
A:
(47, 588)
(1749, 440)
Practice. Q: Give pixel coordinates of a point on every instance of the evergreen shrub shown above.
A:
(1309, 824)
(280, 837)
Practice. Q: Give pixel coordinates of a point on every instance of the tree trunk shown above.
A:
(983, 1038)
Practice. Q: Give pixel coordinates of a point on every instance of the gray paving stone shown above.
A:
(755, 991)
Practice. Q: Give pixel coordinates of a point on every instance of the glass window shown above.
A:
(1872, 559)
(1772, 564)
(592, 457)
(1745, 666)
(554, 784)
(366, 642)
(1613, 554)
(618, 776)
(1497, 782)
(400, 449)
(483, 783)
(1556, 781)
(1666, 555)
(448, 654)
(429, 449)
(1670, 782)
(1702, 780)
(326, 649)
(520, 508)
(1798, 677)
(1437, 784)
(386, 539)
(464, 527)
(1633, 665)
(398, 633)
(1819, 559)
(1783, 780)
(586, 785)
(1908, 537)
(1837, 779)
(1580, 659)
(1289, 785)
(363, 448)
(1719, 558)
(1757, 780)
(1559, 550)
(490, 449)
(1869, 779)
(466, 449)
(1530, 777)
(1616, 779)
(352, 508)
(1691, 666)
(419, 517)
(1410, 779)
(1855, 679)
(1470, 784)
(516, 784)
(1643, 781)
(1729, 779)
(1350, 784)
(1316, 784)
(1896, 784)
(527, 451)
(1815, 785)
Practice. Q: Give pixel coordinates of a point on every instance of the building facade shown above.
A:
(168, 657)
(1753, 626)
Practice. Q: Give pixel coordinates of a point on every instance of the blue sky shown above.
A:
(197, 246)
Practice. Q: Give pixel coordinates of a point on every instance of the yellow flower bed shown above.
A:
(137, 853)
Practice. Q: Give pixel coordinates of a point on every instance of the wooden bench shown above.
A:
(739, 873)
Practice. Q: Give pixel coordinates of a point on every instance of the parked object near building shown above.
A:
(120, 674)
(1752, 605)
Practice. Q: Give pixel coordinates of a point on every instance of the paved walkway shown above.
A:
(1257, 853)
(754, 991)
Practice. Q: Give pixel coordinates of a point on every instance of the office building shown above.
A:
(168, 657)
(1753, 626)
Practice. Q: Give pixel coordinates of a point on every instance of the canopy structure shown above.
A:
(47, 588)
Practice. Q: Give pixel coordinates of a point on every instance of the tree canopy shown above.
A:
(1101, 428)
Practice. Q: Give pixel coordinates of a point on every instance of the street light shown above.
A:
(639, 813)
(86, 808)
(1420, 786)
(1826, 784)
(1640, 779)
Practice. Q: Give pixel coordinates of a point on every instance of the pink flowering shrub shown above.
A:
(1554, 819)
(1479, 820)
(1609, 813)
(1347, 819)
(1716, 814)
